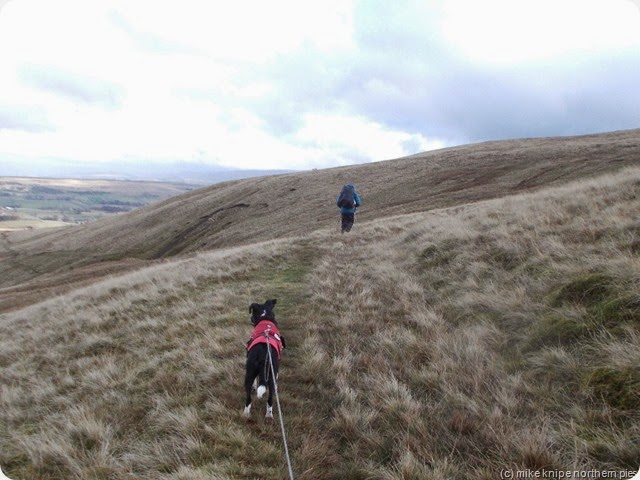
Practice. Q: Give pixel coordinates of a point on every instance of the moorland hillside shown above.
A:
(456, 343)
(39, 264)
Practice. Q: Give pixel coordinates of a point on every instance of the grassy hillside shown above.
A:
(450, 343)
(247, 211)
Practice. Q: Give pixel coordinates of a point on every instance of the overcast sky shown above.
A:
(298, 85)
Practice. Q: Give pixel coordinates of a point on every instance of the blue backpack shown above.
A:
(347, 199)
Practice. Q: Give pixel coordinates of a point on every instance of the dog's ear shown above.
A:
(271, 303)
(254, 310)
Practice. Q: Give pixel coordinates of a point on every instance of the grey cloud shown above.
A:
(72, 85)
(404, 78)
(388, 78)
(608, 97)
(593, 96)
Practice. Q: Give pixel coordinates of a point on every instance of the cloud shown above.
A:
(636, 3)
(295, 86)
(24, 118)
(74, 86)
(350, 138)
(3, 3)
(391, 74)
(569, 98)
(149, 41)
(405, 75)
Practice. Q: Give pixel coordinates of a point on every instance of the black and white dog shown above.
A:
(265, 337)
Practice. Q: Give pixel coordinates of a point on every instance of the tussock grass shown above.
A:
(240, 212)
(446, 344)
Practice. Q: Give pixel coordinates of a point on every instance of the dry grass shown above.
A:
(131, 376)
(446, 344)
(245, 211)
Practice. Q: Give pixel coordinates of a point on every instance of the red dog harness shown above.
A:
(263, 330)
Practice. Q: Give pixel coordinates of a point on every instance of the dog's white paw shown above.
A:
(247, 411)
(261, 390)
(269, 412)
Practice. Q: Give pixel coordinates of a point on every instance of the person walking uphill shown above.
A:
(348, 201)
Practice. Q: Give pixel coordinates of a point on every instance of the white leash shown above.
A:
(275, 388)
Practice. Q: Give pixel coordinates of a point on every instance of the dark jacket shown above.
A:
(353, 209)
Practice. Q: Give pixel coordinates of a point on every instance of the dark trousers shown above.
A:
(347, 221)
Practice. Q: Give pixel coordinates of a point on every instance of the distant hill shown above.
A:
(178, 172)
(250, 210)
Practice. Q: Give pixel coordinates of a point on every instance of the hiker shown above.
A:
(348, 201)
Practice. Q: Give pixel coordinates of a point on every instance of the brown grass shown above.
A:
(443, 344)
(245, 211)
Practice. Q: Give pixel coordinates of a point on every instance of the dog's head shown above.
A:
(262, 311)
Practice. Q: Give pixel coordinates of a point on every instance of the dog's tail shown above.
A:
(261, 391)
(264, 375)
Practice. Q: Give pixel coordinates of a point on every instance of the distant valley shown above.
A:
(27, 203)
(60, 196)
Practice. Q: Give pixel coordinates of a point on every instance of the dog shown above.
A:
(264, 338)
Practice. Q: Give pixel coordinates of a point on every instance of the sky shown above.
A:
(298, 85)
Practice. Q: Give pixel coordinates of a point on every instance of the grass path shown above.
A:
(319, 267)
(287, 280)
